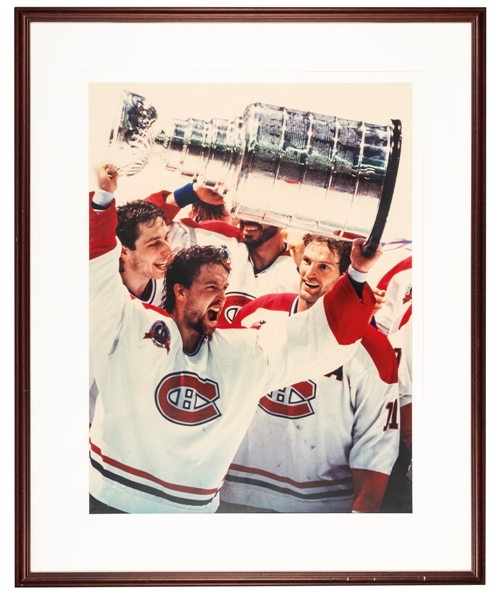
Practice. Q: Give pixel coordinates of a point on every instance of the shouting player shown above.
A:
(260, 265)
(143, 231)
(327, 443)
(176, 393)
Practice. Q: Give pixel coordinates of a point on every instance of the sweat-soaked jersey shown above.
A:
(323, 444)
(167, 424)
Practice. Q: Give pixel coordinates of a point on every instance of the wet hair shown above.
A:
(185, 267)
(202, 211)
(131, 215)
(341, 248)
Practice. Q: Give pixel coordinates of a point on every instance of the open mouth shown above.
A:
(250, 227)
(161, 265)
(213, 314)
(309, 285)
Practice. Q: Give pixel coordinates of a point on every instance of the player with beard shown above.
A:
(324, 444)
(265, 244)
(143, 231)
(262, 264)
(177, 393)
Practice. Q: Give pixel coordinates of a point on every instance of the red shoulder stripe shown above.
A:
(281, 301)
(382, 353)
(153, 307)
(404, 265)
(406, 317)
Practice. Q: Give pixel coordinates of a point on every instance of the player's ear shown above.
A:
(179, 291)
(125, 253)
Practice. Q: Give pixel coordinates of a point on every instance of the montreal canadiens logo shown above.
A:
(186, 399)
(159, 334)
(293, 402)
(234, 301)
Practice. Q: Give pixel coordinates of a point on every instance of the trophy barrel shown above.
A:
(317, 173)
(279, 166)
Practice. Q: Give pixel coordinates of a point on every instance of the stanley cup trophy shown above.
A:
(274, 165)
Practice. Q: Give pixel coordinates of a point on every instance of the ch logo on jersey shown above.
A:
(159, 334)
(408, 294)
(186, 399)
(292, 402)
(234, 301)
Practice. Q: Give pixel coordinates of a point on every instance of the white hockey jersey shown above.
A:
(398, 285)
(326, 444)
(395, 319)
(244, 284)
(167, 424)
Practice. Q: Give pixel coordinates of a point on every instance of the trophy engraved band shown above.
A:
(276, 165)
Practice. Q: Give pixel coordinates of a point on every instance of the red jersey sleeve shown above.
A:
(102, 228)
(159, 198)
(347, 314)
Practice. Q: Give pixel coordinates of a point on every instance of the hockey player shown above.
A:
(397, 283)
(323, 444)
(177, 394)
(260, 265)
(395, 319)
(143, 231)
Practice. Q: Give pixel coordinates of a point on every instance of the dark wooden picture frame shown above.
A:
(24, 18)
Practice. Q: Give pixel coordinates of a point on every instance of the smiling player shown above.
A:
(175, 395)
(324, 444)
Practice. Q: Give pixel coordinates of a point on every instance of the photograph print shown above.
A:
(250, 298)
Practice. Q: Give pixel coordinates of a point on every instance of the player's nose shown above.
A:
(166, 249)
(310, 272)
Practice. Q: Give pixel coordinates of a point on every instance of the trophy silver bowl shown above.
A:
(274, 165)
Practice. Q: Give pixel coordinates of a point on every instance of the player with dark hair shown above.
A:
(260, 265)
(185, 266)
(325, 444)
(130, 218)
(142, 231)
(176, 393)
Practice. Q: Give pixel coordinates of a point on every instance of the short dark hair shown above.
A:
(185, 265)
(131, 215)
(341, 247)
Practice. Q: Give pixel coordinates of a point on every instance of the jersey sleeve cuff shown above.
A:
(357, 276)
(102, 199)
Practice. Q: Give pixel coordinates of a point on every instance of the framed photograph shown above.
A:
(203, 68)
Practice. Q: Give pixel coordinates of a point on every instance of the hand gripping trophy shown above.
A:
(275, 165)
